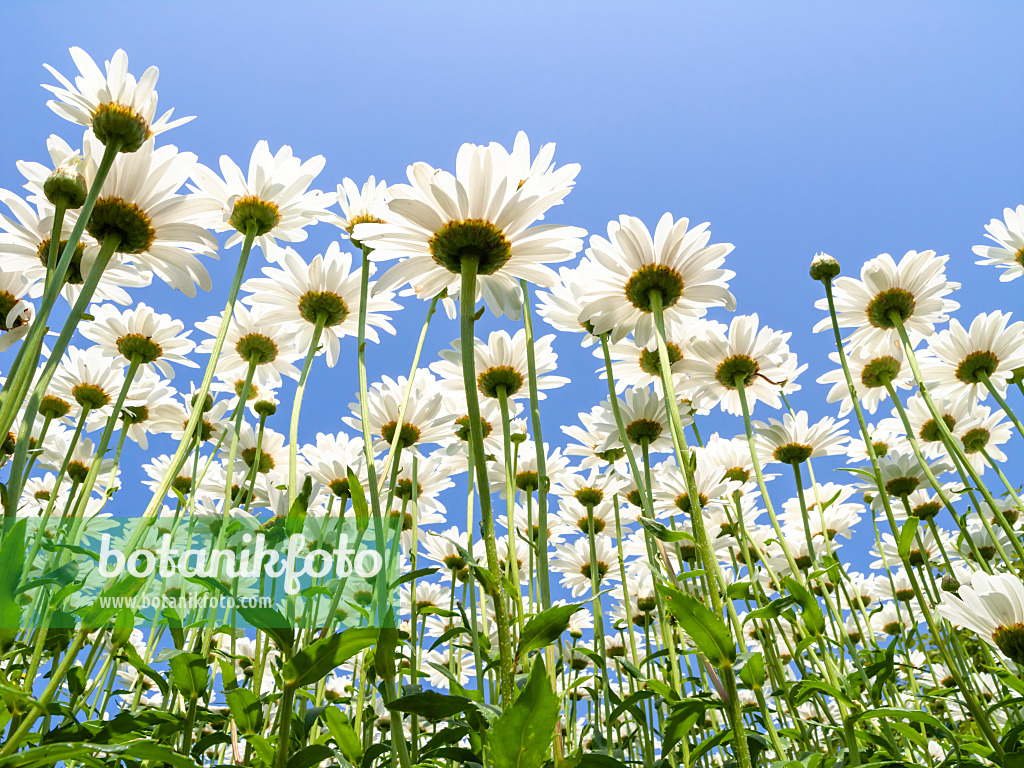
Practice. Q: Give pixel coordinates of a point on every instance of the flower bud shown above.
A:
(824, 267)
(66, 187)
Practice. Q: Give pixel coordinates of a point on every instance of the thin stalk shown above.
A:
(300, 390)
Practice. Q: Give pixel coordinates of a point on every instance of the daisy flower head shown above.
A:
(871, 367)
(960, 360)
(956, 414)
(645, 418)
(914, 290)
(794, 441)
(119, 108)
(1008, 252)
(299, 296)
(993, 608)
(252, 340)
(273, 201)
(758, 358)
(63, 183)
(140, 336)
(139, 208)
(562, 304)
(425, 420)
(359, 206)
(501, 365)
(15, 312)
(484, 213)
(630, 266)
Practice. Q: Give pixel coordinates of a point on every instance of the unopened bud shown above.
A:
(66, 187)
(824, 267)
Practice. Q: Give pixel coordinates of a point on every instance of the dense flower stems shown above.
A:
(11, 397)
(1002, 401)
(467, 312)
(705, 550)
(970, 700)
(17, 477)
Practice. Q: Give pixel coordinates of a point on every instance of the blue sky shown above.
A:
(791, 127)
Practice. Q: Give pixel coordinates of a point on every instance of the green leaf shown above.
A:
(128, 652)
(111, 600)
(752, 674)
(319, 659)
(520, 738)
(703, 626)
(297, 512)
(812, 616)
(545, 628)
(272, 622)
(314, 754)
(12, 562)
(906, 541)
(773, 610)
(662, 533)
(246, 710)
(431, 705)
(190, 674)
(359, 506)
(344, 735)
(682, 719)
(61, 576)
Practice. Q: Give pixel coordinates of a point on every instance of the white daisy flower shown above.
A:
(630, 265)
(296, 294)
(366, 205)
(794, 441)
(993, 608)
(915, 289)
(760, 356)
(562, 305)
(113, 103)
(154, 226)
(955, 415)
(501, 362)
(141, 335)
(871, 366)
(87, 378)
(486, 209)
(274, 198)
(154, 406)
(645, 418)
(1008, 252)
(960, 360)
(573, 562)
(251, 338)
(425, 420)
(15, 313)
(672, 495)
(332, 457)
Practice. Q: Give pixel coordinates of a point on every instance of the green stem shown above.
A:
(293, 434)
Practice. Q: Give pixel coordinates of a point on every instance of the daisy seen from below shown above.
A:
(915, 290)
(794, 441)
(252, 341)
(113, 103)
(140, 336)
(362, 205)
(273, 200)
(629, 266)
(325, 292)
(1008, 253)
(485, 213)
(871, 367)
(961, 363)
(425, 421)
(759, 358)
(993, 608)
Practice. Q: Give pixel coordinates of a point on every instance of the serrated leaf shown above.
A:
(703, 626)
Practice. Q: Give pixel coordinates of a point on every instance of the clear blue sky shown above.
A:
(791, 127)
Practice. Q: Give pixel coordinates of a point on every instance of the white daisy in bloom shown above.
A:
(630, 265)
(1008, 252)
(588, 437)
(86, 378)
(723, 519)
(113, 103)
(252, 339)
(501, 361)
(80, 460)
(827, 500)
(457, 441)
(993, 608)
(901, 474)
(760, 356)
(296, 294)
(890, 620)
(573, 562)
(265, 454)
(359, 206)
(485, 210)
(139, 205)
(593, 488)
(959, 360)
(645, 418)
(794, 441)
(25, 249)
(527, 477)
(984, 430)
(924, 550)
(955, 415)
(562, 305)
(210, 425)
(527, 527)
(142, 335)
(925, 504)
(672, 495)
(448, 549)
(433, 476)
(731, 456)
(331, 459)
(883, 441)
(871, 366)
(154, 405)
(425, 421)
(915, 289)
(572, 518)
(15, 313)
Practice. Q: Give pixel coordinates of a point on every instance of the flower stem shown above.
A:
(293, 434)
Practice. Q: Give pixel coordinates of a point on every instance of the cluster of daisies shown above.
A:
(625, 532)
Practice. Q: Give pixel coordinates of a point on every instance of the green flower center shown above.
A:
(339, 487)
(7, 303)
(736, 366)
(794, 453)
(931, 433)
(74, 274)
(880, 448)
(51, 407)
(115, 217)
(975, 440)
(880, 372)
(499, 376)
(182, 484)
(257, 348)
(587, 570)
(650, 360)
(139, 348)
(683, 501)
(884, 304)
(90, 396)
(589, 497)
(643, 430)
(78, 471)
(251, 211)
(977, 366)
(472, 238)
(135, 414)
(253, 393)
(926, 511)
(266, 463)
(403, 489)
(650, 278)
(902, 486)
(462, 428)
(633, 497)
(611, 455)
(738, 474)
(316, 304)
(584, 525)
(410, 435)
(67, 187)
(121, 125)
